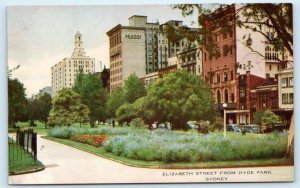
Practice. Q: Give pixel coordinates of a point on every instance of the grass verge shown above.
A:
(21, 162)
(172, 165)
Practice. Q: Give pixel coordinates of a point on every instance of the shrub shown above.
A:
(170, 146)
(138, 122)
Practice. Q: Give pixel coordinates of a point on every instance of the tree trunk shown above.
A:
(290, 146)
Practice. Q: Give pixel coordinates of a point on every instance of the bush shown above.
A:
(169, 146)
(138, 122)
(67, 132)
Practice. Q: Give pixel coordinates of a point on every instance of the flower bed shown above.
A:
(94, 140)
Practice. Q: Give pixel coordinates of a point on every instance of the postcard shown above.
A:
(174, 93)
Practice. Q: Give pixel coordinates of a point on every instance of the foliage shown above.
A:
(115, 100)
(269, 118)
(67, 109)
(138, 122)
(176, 98)
(67, 132)
(133, 88)
(258, 116)
(39, 108)
(171, 146)
(17, 102)
(218, 19)
(94, 140)
(125, 113)
(93, 95)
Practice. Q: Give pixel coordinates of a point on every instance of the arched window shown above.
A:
(218, 96)
(226, 95)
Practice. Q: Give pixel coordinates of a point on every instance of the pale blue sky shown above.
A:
(39, 37)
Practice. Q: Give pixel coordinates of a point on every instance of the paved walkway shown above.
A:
(67, 165)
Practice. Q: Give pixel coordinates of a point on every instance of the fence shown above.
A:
(25, 143)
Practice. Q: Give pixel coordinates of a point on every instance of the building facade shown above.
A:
(63, 74)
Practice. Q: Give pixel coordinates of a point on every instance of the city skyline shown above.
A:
(37, 40)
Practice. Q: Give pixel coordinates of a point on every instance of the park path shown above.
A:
(67, 165)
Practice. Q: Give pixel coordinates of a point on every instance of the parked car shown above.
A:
(251, 128)
(233, 128)
(192, 125)
(274, 127)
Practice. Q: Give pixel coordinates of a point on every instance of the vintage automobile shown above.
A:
(251, 128)
(233, 128)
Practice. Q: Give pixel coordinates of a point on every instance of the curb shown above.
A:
(27, 171)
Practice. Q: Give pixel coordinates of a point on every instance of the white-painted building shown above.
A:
(63, 74)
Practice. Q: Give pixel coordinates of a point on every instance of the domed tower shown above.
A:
(78, 50)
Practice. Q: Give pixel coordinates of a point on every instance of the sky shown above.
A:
(41, 36)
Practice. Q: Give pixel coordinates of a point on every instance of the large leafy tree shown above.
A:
(93, 95)
(177, 98)
(17, 102)
(67, 109)
(133, 88)
(115, 100)
(125, 113)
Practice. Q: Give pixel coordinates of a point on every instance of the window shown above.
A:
(225, 77)
(291, 82)
(284, 82)
(226, 95)
(231, 72)
(225, 50)
(218, 78)
(284, 98)
(270, 67)
(291, 98)
(204, 56)
(242, 92)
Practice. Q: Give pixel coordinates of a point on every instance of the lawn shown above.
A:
(178, 149)
(20, 161)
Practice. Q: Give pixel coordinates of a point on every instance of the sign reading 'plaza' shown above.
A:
(133, 36)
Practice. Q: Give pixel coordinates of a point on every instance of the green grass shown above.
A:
(20, 161)
(100, 151)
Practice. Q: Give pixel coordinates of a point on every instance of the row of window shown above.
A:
(218, 77)
(115, 64)
(116, 78)
(227, 50)
(116, 71)
(115, 40)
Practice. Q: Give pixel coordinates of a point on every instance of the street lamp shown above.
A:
(224, 107)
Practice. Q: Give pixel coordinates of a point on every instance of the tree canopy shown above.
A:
(133, 88)
(17, 102)
(93, 95)
(39, 108)
(67, 109)
(176, 98)
(115, 100)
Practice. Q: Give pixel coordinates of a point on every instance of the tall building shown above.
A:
(127, 51)
(64, 73)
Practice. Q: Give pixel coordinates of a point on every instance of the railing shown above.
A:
(25, 142)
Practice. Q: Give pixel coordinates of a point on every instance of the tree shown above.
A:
(17, 102)
(93, 95)
(125, 113)
(67, 109)
(39, 108)
(177, 98)
(133, 88)
(269, 118)
(258, 117)
(115, 100)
